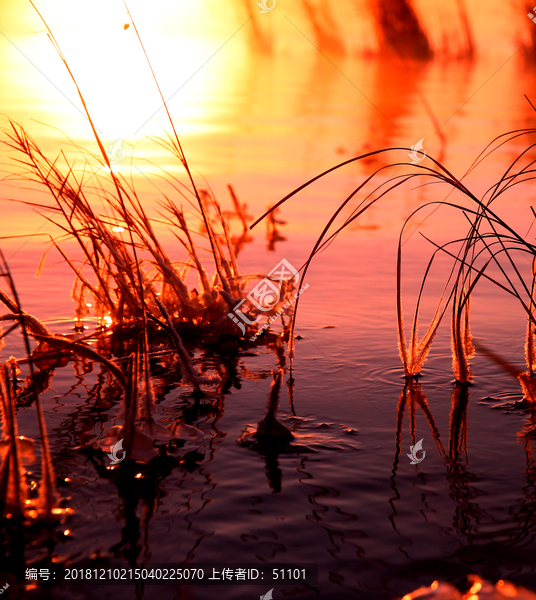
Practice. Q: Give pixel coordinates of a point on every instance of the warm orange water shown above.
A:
(266, 124)
(263, 123)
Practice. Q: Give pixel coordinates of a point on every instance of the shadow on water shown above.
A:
(140, 487)
(487, 545)
(173, 491)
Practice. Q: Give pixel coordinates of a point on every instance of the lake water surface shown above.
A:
(343, 494)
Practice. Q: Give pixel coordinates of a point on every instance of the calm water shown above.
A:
(343, 494)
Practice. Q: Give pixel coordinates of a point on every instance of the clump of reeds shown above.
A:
(112, 277)
(125, 275)
(16, 502)
(490, 240)
(143, 436)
